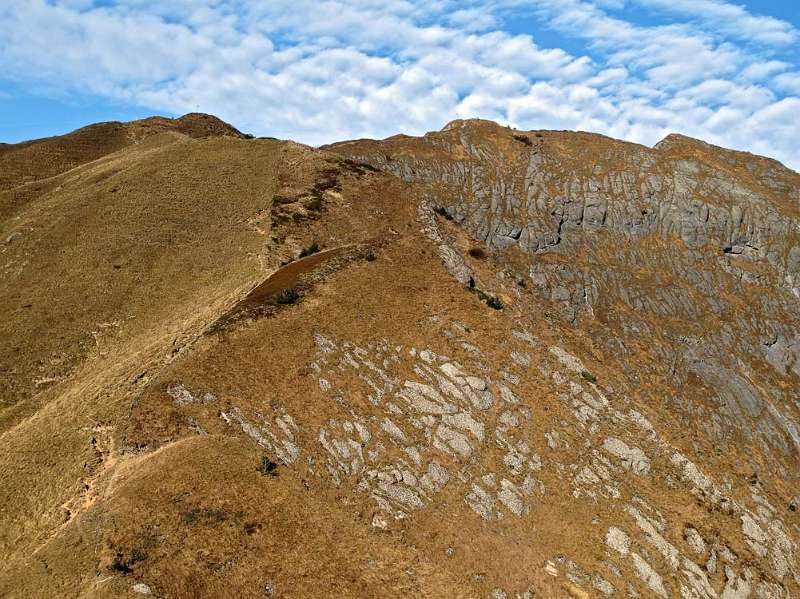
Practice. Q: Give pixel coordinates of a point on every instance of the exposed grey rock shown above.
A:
(426, 399)
(510, 496)
(694, 540)
(654, 537)
(182, 396)
(784, 354)
(437, 423)
(282, 444)
(618, 540)
(481, 502)
(626, 205)
(632, 458)
(393, 430)
(141, 589)
(453, 261)
(568, 360)
(736, 587)
(648, 575)
(465, 421)
(435, 478)
(451, 441)
(521, 359)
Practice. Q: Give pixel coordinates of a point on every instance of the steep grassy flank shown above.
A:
(42, 158)
(114, 248)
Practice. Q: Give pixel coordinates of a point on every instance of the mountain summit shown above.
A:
(478, 363)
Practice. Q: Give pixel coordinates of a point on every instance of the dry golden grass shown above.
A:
(140, 256)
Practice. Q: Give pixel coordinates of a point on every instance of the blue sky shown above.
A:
(323, 70)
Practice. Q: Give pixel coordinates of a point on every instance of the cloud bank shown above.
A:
(323, 70)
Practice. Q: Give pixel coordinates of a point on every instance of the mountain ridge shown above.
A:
(476, 363)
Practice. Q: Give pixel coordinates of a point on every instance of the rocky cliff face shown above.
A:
(479, 363)
(693, 248)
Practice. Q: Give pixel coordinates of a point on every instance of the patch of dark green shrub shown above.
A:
(267, 467)
(312, 203)
(494, 303)
(523, 140)
(359, 167)
(124, 565)
(327, 179)
(204, 516)
(307, 251)
(442, 211)
(252, 527)
(287, 296)
(588, 376)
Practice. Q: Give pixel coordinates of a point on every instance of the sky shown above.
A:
(318, 71)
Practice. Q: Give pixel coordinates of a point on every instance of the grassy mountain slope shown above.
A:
(478, 363)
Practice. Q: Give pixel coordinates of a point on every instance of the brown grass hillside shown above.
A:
(247, 367)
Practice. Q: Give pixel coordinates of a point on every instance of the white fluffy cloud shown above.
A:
(321, 70)
(731, 19)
